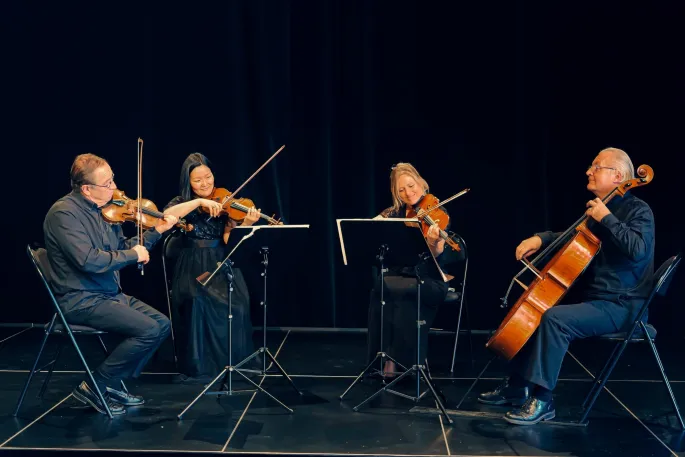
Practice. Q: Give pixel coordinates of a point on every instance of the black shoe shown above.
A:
(533, 411)
(124, 398)
(88, 396)
(505, 394)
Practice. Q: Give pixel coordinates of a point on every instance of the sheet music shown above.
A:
(387, 219)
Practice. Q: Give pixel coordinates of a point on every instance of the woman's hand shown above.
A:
(251, 217)
(213, 207)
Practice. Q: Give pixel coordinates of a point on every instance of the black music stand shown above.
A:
(225, 267)
(398, 245)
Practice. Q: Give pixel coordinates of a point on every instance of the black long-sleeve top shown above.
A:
(623, 267)
(85, 252)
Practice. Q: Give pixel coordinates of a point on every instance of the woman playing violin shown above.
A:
(202, 312)
(408, 189)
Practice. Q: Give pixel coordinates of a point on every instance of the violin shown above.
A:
(430, 213)
(121, 209)
(236, 208)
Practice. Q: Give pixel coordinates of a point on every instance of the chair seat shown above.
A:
(452, 296)
(637, 336)
(59, 328)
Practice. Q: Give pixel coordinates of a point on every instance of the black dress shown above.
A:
(200, 314)
(399, 315)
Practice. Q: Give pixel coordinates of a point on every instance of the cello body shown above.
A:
(557, 278)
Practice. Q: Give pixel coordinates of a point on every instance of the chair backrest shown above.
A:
(39, 258)
(664, 275)
(173, 245)
(661, 280)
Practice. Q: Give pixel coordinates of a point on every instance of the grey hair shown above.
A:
(623, 163)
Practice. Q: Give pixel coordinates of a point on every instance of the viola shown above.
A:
(121, 209)
(552, 282)
(236, 208)
(429, 213)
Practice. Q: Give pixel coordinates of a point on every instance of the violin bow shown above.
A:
(139, 221)
(253, 175)
(422, 213)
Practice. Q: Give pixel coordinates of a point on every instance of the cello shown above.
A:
(552, 283)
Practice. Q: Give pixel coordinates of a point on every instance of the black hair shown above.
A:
(193, 161)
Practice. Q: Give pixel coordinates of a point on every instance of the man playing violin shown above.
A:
(85, 255)
(614, 288)
(201, 313)
(407, 188)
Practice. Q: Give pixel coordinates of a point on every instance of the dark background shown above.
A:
(512, 101)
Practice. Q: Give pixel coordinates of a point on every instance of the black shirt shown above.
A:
(85, 252)
(623, 267)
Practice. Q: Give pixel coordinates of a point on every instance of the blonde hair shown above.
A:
(402, 169)
(623, 163)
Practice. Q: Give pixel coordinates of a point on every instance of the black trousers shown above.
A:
(145, 329)
(539, 361)
(400, 316)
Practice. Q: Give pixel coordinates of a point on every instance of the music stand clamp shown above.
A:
(401, 245)
(226, 373)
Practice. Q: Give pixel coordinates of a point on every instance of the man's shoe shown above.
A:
(88, 396)
(505, 394)
(533, 411)
(124, 398)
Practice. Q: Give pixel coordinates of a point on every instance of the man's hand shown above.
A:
(597, 209)
(528, 246)
(169, 221)
(143, 255)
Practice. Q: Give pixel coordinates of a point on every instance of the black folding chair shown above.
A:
(170, 252)
(457, 296)
(58, 326)
(640, 332)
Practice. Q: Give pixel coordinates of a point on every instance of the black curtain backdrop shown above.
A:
(511, 100)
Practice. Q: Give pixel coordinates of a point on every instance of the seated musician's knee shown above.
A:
(553, 316)
(157, 331)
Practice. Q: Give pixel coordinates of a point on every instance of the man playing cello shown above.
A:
(615, 286)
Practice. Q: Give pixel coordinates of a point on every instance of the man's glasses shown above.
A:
(596, 168)
(106, 186)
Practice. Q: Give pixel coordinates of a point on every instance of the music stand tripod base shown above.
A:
(229, 369)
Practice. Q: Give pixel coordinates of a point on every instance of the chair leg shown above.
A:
(88, 372)
(52, 368)
(33, 369)
(456, 335)
(663, 375)
(604, 379)
(104, 348)
(473, 384)
(600, 376)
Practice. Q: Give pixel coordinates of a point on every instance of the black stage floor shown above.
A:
(636, 419)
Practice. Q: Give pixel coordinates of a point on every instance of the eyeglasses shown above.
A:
(596, 168)
(106, 186)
